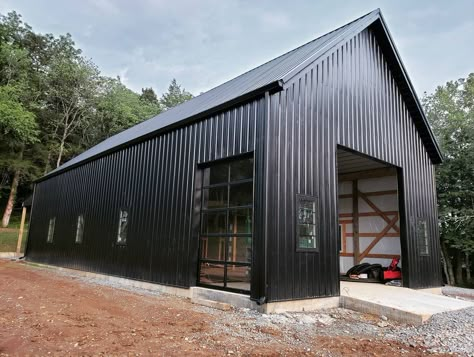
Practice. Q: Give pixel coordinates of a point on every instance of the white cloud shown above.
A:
(106, 7)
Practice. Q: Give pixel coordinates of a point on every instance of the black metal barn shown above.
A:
(238, 188)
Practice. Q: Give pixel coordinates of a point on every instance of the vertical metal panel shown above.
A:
(350, 98)
(154, 180)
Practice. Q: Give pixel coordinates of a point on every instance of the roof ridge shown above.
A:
(288, 52)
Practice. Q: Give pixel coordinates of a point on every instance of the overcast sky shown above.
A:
(203, 43)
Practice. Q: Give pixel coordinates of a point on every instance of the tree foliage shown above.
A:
(175, 95)
(450, 110)
(54, 104)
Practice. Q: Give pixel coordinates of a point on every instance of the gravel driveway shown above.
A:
(48, 312)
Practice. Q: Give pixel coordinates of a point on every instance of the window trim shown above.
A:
(314, 199)
(80, 218)
(118, 241)
(51, 229)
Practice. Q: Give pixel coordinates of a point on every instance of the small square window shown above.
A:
(52, 223)
(422, 236)
(80, 229)
(307, 237)
(123, 227)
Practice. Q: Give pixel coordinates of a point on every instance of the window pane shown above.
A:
(238, 277)
(212, 274)
(218, 174)
(307, 229)
(213, 248)
(306, 223)
(240, 249)
(307, 212)
(241, 170)
(123, 227)
(215, 197)
(80, 229)
(213, 222)
(422, 236)
(309, 242)
(240, 220)
(52, 223)
(241, 194)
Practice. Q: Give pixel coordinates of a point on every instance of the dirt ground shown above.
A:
(46, 312)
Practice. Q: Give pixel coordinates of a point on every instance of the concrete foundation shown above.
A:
(301, 305)
(165, 289)
(399, 304)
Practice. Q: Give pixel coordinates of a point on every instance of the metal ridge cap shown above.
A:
(352, 29)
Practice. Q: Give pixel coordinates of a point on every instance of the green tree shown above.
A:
(18, 126)
(72, 85)
(174, 96)
(450, 110)
(149, 96)
(116, 109)
(54, 104)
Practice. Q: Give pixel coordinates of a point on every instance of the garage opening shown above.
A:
(369, 219)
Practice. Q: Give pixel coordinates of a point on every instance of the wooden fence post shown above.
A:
(20, 234)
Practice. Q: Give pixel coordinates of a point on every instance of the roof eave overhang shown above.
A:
(271, 88)
(385, 39)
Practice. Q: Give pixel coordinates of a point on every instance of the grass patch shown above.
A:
(8, 241)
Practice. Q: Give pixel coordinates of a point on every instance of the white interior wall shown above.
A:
(370, 224)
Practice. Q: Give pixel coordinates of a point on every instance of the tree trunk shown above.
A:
(468, 269)
(459, 263)
(445, 267)
(47, 167)
(11, 199)
(61, 147)
(449, 265)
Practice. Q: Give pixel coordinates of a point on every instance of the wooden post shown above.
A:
(20, 234)
(355, 222)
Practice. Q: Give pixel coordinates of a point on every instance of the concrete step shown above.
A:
(400, 304)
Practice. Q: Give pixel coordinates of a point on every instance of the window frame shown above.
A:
(314, 199)
(422, 245)
(227, 209)
(80, 224)
(51, 229)
(118, 240)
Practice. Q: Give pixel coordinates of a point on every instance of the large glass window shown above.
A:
(226, 225)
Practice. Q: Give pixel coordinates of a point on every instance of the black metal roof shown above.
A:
(270, 76)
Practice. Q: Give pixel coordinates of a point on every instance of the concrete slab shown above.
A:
(400, 304)
(301, 305)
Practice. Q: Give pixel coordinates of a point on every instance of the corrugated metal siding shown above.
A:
(349, 98)
(154, 181)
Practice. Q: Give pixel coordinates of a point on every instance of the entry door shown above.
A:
(225, 249)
